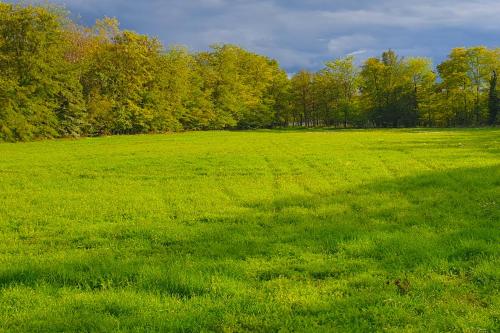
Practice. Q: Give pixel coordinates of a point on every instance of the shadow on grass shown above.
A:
(442, 219)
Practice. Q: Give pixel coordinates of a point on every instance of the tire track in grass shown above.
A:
(274, 175)
(308, 169)
(250, 168)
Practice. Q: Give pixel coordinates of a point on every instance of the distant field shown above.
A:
(395, 230)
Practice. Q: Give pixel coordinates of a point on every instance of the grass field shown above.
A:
(395, 230)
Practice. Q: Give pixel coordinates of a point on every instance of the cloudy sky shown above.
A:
(306, 33)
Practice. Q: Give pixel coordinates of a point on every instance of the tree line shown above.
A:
(61, 79)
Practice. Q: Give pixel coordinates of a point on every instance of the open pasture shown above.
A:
(395, 230)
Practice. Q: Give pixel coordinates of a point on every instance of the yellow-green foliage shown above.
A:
(39, 89)
(59, 79)
(362, 231)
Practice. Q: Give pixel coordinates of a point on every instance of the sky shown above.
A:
(305, 34)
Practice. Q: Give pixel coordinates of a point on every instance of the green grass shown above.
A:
(252, 231)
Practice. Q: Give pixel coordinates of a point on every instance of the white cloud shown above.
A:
(347, 44)
(358, 52)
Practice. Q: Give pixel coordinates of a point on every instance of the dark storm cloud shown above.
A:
(304, 34)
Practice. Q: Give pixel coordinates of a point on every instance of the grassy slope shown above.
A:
(252, 231)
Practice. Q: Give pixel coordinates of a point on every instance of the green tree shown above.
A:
(481, 64)
(180, 87)
(422, 80)
(343, 75)
(40, 93)
(466, 76)
(386, 96)
(397, 92)
(243, 87)
(493, 101)
(120, 83)
(372, 89)
(279, 95)
(302, 98)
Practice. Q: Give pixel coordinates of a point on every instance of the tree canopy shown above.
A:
(59, 79)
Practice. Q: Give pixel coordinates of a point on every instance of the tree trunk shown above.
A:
(493, 102)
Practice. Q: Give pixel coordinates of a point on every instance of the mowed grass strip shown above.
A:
(395, 230)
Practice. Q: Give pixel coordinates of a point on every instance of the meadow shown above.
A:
(293, 230)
